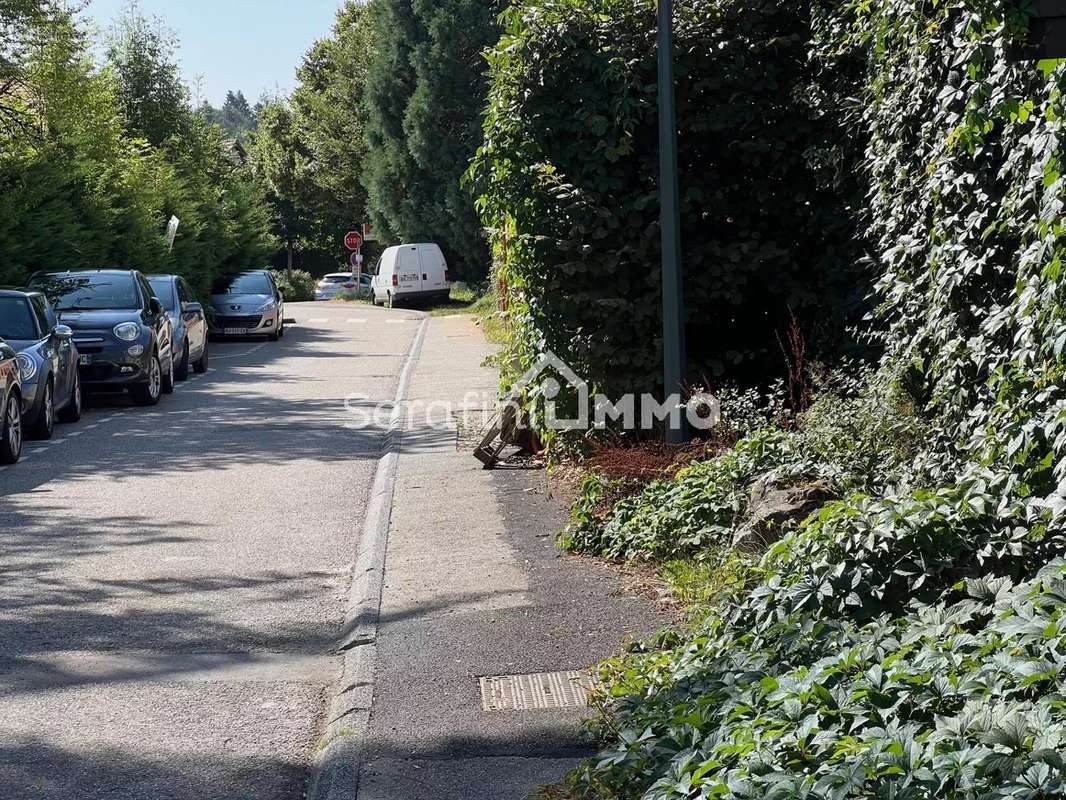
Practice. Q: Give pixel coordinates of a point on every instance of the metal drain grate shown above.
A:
(543, 690)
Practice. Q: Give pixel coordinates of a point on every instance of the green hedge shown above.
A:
(569, 171)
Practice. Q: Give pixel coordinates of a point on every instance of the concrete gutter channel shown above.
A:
(336, 770)
(474, 588)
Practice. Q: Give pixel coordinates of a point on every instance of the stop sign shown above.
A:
(353, 241)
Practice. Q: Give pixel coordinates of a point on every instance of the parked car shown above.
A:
(337, 283)
(47, 360)
(11, 410)
(122, 332)
(188, 321)
(411, 273)
(247, 304)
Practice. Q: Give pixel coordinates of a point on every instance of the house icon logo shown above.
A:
(543, 382)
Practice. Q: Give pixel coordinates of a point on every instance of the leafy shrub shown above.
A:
(869, 442)
(671, 518)
(568, 178)
(957, 699)
(297, 285)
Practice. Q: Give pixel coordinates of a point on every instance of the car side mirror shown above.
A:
(194, 308)
(280, 295)
(155, 306)
(63, 332)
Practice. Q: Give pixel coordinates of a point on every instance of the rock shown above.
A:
(773, 505)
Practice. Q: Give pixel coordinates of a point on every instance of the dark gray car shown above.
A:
(47, 361)
(122, 331)
(189, 322)
(10, 406)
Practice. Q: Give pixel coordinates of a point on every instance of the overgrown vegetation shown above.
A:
(906, 641)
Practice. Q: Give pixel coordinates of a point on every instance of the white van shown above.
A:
(409, 273)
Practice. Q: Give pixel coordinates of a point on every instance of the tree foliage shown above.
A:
(425, 94)
(81, 187)
(237, 118)
(569, 178)
(155, 100)
(310, 148)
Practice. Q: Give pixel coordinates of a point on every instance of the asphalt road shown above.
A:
(173, 580)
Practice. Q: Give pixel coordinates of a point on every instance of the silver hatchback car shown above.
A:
(247, 304)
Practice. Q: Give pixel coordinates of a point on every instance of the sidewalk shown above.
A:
(474, 587)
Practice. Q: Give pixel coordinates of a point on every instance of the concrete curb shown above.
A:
(336, 769)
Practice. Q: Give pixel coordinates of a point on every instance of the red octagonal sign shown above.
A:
(353, 241)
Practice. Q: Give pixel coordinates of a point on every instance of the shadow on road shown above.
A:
(160, 590)
(31, 768)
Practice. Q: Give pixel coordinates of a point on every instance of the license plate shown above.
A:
(235, 331)
(85, 360)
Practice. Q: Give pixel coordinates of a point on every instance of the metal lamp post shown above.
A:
(670, 192)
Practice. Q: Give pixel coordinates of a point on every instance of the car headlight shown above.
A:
(27, 367)
(267, 306)
(128, 331)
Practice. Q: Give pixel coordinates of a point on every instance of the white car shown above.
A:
(411, 272)
(338, 283)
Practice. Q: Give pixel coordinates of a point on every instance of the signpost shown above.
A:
(172, 232)
(353, 241)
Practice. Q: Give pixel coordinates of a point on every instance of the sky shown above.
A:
(251, 45)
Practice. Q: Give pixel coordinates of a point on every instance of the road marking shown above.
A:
(255, 349)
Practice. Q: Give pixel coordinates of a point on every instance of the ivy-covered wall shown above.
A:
(965, 161)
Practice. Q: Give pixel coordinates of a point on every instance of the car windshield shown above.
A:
(16, 320)
(88, 292)
(164, 290)
(339, 278)
(247, 283)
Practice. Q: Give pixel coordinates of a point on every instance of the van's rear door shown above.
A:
(408, 270)
(434, 269)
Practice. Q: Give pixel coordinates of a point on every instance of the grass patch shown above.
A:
(700, 586)
(487, 310)
(463, 298)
